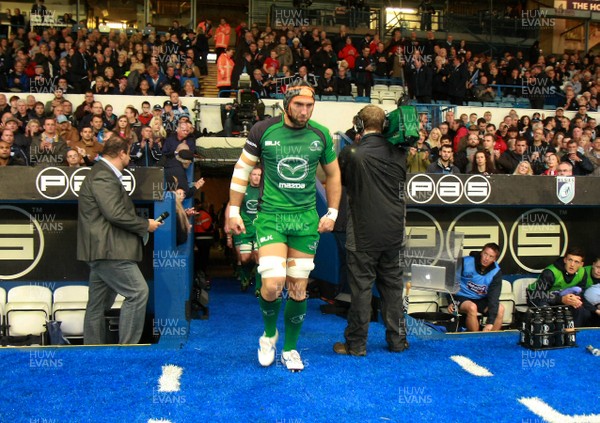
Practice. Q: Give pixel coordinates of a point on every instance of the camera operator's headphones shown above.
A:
(359, 124)
(296, 88)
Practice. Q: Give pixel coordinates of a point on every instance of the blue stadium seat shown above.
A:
(474, 103)
(329, 98)
(549, 107)
(507, 105)
(489, 104)
(362, 99)
(346, 98)
(277, 96)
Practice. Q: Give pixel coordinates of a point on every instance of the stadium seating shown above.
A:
(329, 98)
(387, 97)
(28, 308)
(507, 299)
(520, 293)
(348, 98)
(69, 308)
(363, 99)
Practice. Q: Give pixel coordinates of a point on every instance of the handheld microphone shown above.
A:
(162, 217)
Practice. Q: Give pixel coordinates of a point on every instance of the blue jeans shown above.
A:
(107, 279)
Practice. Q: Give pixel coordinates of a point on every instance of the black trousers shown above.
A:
(383, 269)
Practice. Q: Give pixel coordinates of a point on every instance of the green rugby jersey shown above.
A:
(290, 157)
(250, 205)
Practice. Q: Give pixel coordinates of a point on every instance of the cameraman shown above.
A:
(418, 155)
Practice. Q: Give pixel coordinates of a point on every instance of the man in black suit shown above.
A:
(328, 84)
(457, 82)
(81, 68)
(420, 83)
(109, 239)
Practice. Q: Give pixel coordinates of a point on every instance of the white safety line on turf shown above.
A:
(159, 421)
(169, 379)
(470, 366)
(549, 414)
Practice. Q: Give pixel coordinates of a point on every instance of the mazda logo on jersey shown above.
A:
(537, 237)
(292, 169)
(252, 206)
(21, 242)
(53, 183)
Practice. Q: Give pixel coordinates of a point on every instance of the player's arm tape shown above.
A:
(234, 211)
(332, 214)
(241, 172)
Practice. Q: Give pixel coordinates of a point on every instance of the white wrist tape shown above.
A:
(234, 211)
(332, 214)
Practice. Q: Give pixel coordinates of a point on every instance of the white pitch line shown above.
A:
(470, 366)
(169, 379)
(549, 414)
(159, 421)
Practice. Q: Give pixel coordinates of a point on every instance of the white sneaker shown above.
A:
(266, 352)
(291, 360)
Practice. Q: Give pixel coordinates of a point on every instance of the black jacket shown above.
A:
(372, 172)
(174, 168)
(457, 81)
(420, 82)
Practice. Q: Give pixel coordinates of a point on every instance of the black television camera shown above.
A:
(239, 116)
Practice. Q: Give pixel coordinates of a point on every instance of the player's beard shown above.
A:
(295, 122)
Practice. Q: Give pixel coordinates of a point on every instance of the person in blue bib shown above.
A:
(480, 286)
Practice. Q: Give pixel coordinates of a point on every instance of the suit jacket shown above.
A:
(107, 226)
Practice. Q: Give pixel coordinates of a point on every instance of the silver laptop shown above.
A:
(428, 276)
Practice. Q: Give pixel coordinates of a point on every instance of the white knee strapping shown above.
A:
(299, 268)
(271, 267)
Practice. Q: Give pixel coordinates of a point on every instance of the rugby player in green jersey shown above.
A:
(245, 243)
(287, 226)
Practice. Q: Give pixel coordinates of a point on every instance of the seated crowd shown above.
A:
(55, 134)
(536, 145)
(431, 69)
(146, 63)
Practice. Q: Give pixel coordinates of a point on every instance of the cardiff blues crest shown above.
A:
(565, 188)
